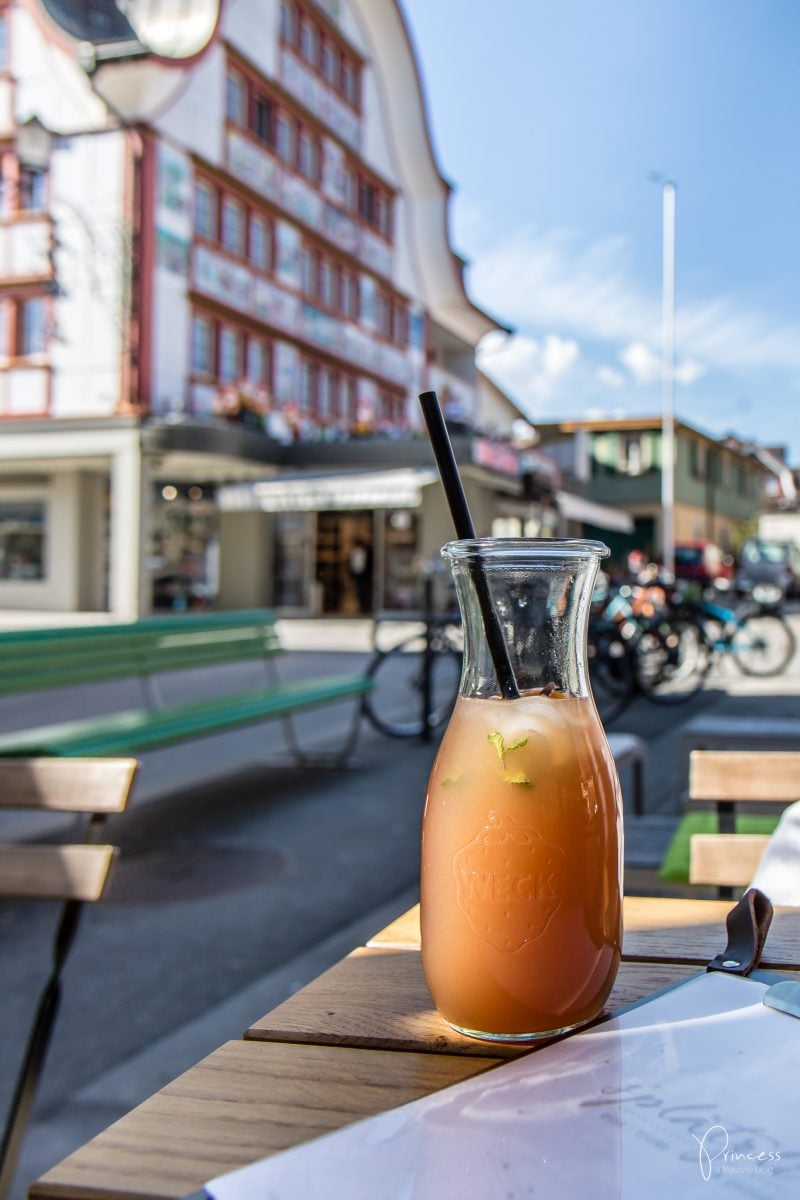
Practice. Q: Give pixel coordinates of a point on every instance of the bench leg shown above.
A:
(638, 787)
(336, 759)
(36, 1050)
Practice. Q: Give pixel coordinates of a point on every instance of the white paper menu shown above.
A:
(694, 1093)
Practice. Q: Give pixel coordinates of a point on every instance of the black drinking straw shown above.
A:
(465, 530)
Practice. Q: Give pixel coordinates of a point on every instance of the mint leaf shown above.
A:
(449, 781)
(497, 741)
(516, 777)
(517, 745)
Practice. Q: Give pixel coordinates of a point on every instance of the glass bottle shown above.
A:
(521, 885)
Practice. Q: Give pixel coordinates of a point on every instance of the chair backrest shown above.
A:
(727, 778)
(73, 873)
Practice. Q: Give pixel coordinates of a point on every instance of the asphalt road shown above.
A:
(235, 871)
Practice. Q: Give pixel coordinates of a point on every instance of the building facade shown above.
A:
(225, 277)
(719, 485)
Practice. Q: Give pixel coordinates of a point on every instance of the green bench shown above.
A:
(45, 659)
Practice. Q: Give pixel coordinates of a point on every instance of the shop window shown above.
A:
(236, 98)
(232, 226)
(262, 119)
(22, 539)
(205, 210)
(230, 355)
(31, 327)
(202, 346)
(32, 190)
(260, 250)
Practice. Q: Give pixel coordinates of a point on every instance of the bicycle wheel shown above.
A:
(672, 662)
(394, 703)
(611, 674)
(762, 645)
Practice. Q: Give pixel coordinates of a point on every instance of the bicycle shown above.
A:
(415, 682)
(758, 638)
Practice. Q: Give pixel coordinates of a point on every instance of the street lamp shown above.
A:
(667, 372)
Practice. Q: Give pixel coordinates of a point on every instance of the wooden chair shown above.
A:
(735, 780)
(75, 874)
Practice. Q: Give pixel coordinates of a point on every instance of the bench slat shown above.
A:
(55, 872)
(755, 776)
(101, 786)
(725, 859)
(134, 730)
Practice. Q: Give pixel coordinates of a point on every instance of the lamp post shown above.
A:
(667, 373)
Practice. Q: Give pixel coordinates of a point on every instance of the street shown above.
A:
(238, 886)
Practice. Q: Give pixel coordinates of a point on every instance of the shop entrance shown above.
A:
(345, 562)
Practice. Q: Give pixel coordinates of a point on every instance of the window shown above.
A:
(697, 460)
(32, 189)
(257, 361)
(347, 399)
(230, 355)
(202, 346)
(22, 526)
(262, 118)
(288, 22)
(307, 155)
(3, 42)
(31, 331)
(308, 271)
(327, 283)
(350, 82)
(399, 333)
(307, 385)
(260, 251)
(331, 63)
(631, 456)
(349, 295)
(350, 189)
(286, 138)
(326, 382)
(236, 98)
(232, 226)
(309, 41)
(205, 210)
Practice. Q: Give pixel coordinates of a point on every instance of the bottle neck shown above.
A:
(541, 609)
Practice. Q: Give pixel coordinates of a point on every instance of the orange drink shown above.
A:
(521, 866)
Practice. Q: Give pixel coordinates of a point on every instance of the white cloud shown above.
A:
(609, 376)
(530, 369)
(689, 371)
(550, 280)
(643, 364)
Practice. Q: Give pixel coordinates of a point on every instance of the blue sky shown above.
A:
(547, 117)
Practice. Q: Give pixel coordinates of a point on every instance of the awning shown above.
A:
(578, 508)
(321, 493)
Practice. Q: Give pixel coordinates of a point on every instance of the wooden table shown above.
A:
(362, 1038)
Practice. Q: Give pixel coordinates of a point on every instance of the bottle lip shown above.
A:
(522, 547)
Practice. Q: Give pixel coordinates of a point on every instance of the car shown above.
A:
(703, 561)
(767, 561)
